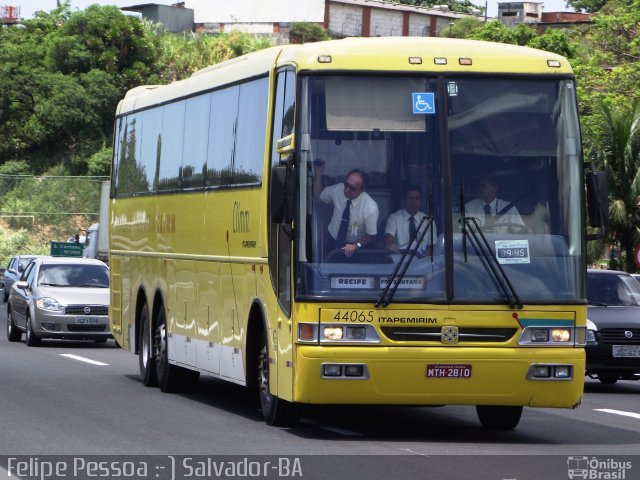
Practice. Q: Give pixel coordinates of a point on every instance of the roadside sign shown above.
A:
(66, 249)
(636, 256)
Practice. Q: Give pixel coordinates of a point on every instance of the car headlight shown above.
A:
(50, 304)
(591, 336)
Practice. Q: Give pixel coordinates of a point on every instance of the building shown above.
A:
(9, 15)
(366, 18)
(531, 13)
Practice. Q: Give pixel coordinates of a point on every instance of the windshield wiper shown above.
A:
(471, 229)
(394, 280)
(599, 304)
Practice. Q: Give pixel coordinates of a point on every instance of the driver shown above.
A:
(355, 214)
(493, 213)
(402, 224)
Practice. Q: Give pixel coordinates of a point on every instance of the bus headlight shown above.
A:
(332, 333)
(549, 336)
(561, 335)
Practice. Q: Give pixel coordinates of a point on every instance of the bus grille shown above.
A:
(425, 334)
(617, 336)
(93, 310)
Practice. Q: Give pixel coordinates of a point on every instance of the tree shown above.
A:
(615, 145)
(300, 32)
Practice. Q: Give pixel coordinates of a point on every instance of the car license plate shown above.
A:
(439, 370)
(626, 351)
(87, 321)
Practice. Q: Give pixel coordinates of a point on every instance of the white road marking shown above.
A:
(82, 359)
(618, 412)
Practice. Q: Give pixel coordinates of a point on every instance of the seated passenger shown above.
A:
(492, 211)
(355, 214)
(402, 224)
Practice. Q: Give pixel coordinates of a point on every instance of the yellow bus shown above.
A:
(226, 252)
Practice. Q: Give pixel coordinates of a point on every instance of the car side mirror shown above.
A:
(22, 285)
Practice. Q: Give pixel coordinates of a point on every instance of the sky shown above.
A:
(29, 7)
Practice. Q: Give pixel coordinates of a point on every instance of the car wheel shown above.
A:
(608, 378)
(171, 378)
(31, 339)
(146, 359)
(13, 333)
(276, 412)
(499, 417)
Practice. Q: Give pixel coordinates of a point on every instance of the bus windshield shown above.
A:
(453, 189)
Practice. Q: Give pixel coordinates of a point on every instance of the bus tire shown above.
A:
(499, 417)
(146, 359)
(171, 378)
(276, 412)
(13, 333)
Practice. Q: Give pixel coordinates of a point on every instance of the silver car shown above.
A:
(14, 270)
(58, 297)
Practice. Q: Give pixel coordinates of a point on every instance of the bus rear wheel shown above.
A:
(171, 378)
(499, 417)
(276, 412)
(145, 351)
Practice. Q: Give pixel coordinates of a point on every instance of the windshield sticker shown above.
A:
(512, 251)
(424, 103)
(352, 282)
(406, 282)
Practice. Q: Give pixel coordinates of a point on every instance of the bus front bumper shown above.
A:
(439, 376)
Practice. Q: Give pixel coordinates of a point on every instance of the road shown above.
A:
(83, 399)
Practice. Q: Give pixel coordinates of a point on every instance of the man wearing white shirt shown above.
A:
(493, 213)
(354, 222)
(402, 224)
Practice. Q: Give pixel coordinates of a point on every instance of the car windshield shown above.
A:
(24, 261)
(94, 276)
(611, 289)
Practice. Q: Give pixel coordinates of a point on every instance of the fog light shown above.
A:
(356, 333)
(331, 370)
(561, 335)
(541, 371)
(540, 335)
(353, 370)
(333, 333)
(48, 326)
(562, 371)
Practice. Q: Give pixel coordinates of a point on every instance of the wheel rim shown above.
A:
(28, 332)
(263, 379)
(145, 346)
(9, 324)
(160, 348)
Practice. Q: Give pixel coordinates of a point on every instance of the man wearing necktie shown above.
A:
(354, 222)
(402, 224)
(493, 213)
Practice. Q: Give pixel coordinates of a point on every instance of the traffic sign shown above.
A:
(66, 249)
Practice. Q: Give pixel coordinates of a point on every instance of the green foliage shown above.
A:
(615, 146)
(454, 5)
(13, 242)
(589, 6)
(300, 32)
(462, 28)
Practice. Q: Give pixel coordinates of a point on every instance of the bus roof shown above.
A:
(385, 54)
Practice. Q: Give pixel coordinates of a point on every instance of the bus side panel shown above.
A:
(115, 307)
(208, 320)
(181, 284)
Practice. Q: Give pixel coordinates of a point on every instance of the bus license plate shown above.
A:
(87, 321)
(626, 351)
(438, 370)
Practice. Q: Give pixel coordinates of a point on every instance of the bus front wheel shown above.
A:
(276, 412)
(499, 417)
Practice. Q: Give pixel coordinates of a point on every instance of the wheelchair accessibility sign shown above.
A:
(424, 103)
